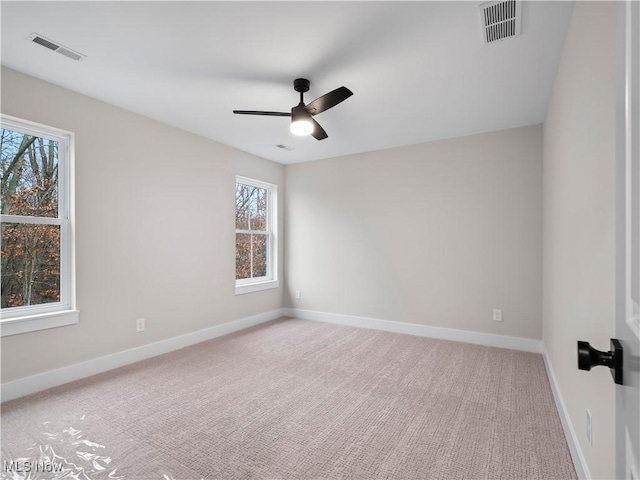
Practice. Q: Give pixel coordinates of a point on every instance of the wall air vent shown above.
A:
(56, 47)
(500, 20)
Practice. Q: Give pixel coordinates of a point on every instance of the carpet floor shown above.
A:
(295, 399)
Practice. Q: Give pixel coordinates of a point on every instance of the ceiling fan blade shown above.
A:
(318, 132)
(259, 112)
(329, 100)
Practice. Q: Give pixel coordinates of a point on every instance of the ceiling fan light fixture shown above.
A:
(301, 127)
(301, 122)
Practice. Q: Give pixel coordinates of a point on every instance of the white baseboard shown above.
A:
(53, 378)
(569, 432)
(488, 339)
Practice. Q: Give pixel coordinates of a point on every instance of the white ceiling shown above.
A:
(419, 70)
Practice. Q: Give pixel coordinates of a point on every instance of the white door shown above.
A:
(628, 237)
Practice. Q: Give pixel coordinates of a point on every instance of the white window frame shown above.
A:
(17, 320)
(248, 285)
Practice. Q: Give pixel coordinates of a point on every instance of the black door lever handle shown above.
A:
(590, 357)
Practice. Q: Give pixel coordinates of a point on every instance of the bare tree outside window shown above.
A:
(252, 231)
(30, 254)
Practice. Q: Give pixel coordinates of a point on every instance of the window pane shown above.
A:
(243, 199)
(251, 207)
(251, 255)
(29, 175)
(30, 264)
(243, 255)
(258, 220)
(259, 252)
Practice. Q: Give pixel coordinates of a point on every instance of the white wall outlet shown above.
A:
(589, 428)
(497, 315)
(140, 325)
(298, 295)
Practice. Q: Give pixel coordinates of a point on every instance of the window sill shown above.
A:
(256, 287)
(43, 321)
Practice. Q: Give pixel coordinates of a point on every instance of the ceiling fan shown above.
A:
(302, 122)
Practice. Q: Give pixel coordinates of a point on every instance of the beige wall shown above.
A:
(437, 234)
(579, 204)
(154, 229)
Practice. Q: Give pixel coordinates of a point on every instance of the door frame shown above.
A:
(627, 322)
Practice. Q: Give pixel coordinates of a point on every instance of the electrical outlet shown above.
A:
(497, 315)
(589, 428)
(140, 325)
(298, 295)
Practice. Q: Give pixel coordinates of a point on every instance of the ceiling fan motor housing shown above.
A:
(301, 85)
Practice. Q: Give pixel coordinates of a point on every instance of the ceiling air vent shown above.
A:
(500, 20)
(284, 147)
(56, 47)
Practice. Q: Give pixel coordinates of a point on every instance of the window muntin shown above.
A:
(255, 236)
(35, 215)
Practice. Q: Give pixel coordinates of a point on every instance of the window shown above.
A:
(255, 236)
(35, 190)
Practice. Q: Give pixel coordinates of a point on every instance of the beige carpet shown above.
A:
(299, 400)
